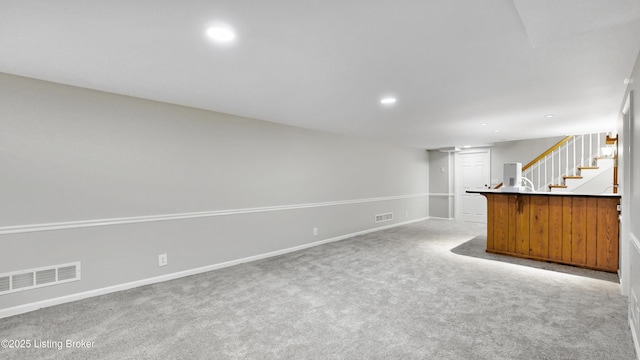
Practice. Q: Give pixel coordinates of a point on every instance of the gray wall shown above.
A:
(70, 155)
(442, 170)
(523, 151)
(441, 191)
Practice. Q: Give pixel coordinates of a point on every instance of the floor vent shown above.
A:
(384, 217)
(35, 278)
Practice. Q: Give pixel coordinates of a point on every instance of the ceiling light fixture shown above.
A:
(549, 116)
(388, 101)
(483, 124)
(220, 33)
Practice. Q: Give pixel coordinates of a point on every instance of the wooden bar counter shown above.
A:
(566, 228)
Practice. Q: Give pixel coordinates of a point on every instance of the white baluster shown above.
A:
(553, 167)
(590, 148)
(582, 153)
(566, 163)
(559, 164)
(545, 170)
(575, 168)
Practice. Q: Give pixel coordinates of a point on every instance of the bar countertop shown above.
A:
(540, 193)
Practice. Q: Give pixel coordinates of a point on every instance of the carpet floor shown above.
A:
(420, 291)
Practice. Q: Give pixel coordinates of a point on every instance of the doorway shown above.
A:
(472, 173)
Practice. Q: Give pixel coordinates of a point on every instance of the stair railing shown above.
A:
(563, 160)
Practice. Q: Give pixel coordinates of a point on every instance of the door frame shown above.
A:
(625, 140)
(456, 178)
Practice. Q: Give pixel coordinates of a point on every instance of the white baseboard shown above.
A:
(634, 336)
(21, 309)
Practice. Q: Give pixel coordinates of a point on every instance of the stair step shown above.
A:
(557, 186)
(588, 168)
(572, 177)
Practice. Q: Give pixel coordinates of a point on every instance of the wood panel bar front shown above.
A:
(522, 224)
(567, 235)
(501, 223)
(592, 231)
(573, 229)
(490, 223)
(607, 238)
(579, 230)
(539, 227)
(556, 218)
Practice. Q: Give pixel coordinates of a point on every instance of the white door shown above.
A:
(472, 173)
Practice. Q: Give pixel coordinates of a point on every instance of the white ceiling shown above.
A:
(452, 64)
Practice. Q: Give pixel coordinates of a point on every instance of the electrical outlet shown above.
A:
(315, 231)
(162, 260)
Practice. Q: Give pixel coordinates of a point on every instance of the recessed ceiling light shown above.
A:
(483, 124)
(496, 131)
(467, 146)
(220, 33)
(548, 116)
(388, 101)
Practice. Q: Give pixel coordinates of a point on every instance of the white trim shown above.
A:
(635, 241)
(17, 229)
(627, 103)
(442, 194)
(634, 337)
(20, 309)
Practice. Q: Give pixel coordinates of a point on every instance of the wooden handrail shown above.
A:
(542, 156)
(551, 149)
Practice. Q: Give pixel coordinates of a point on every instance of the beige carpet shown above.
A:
(395, 294)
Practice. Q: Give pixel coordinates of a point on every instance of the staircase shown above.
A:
(595, 179)
(579, 163)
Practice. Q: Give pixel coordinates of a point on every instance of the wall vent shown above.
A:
(5, 284)
(384, 217)
(35, 278)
